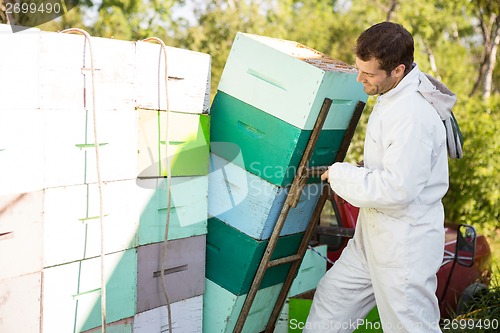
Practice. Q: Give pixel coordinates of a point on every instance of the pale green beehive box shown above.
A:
(290, 81)
(188, 208)
(71, 292)
(221, 309)
(312, 269)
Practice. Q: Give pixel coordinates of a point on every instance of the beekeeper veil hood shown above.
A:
(443, 100)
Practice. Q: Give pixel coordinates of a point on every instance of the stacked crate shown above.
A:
(180, 135)
(50, 236)
(268, 99)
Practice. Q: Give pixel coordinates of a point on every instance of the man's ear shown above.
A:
(399, 71)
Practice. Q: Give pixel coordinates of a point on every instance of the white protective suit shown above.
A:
(398, 244)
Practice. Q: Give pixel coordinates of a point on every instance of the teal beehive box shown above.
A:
(233, 257)
(271, 147)
(290, 81)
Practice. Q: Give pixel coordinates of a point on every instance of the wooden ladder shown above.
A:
(301, 177)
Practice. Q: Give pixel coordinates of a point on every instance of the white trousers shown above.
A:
(391, 263)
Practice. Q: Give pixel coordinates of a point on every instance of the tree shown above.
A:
(488, 14)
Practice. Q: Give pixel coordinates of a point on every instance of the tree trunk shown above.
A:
(432, 61)
(491, 62)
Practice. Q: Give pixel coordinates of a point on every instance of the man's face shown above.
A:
(375, 80)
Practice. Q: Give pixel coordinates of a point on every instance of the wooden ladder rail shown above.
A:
(301, 176)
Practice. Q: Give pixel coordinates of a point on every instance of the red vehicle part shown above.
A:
(453, 278)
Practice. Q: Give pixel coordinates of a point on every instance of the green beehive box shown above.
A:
(188, 143)
(271, 148)
(233, 257)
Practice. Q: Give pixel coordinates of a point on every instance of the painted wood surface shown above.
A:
(71, 228)
(21, 218)
(312, 269)
(271, 148)
(186, 318)
(64, 70)
(258, 203)
(20, 303)
(50, 71)
(188, 79)
(21, 151)
(19, 68)
(188, 214)
(69, 146)
(282, 322)
(233, 257)
(71, 300)
(188, 143)
(184, 273)
(221, 309)
(51, 148)
(290, 81)
(120, 326)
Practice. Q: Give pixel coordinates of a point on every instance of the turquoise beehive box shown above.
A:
(271, 148)
(290, 81)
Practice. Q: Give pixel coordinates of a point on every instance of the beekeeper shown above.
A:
(398, 244)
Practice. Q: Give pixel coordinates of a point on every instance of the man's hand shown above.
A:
(324, 176)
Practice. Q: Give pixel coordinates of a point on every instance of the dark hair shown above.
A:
(389, 43)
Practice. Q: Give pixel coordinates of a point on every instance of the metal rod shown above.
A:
(291, 201)
(335, 231)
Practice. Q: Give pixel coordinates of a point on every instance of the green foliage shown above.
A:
(474, 193)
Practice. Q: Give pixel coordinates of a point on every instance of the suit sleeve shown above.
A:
(406, 167)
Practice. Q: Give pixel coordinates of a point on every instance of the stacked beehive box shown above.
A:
(268, 99)
(50, 240)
